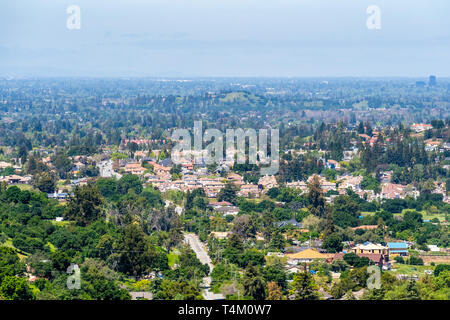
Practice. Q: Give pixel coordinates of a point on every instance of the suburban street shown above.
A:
(202, 254)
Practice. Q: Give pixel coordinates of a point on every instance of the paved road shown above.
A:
(202, 254)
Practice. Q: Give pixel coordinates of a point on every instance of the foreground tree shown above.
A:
(274, 291)
(15, 288)
(136, 255)
(178, 290)
(85, 206)
(253, 283)
(304, 287)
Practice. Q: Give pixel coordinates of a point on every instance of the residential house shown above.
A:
(397, 191)
(233, 210)
(160, 170)
(420, 127)
(386, 176)
(325, 185)
(305, 256)
(294, 269)
(292, 222)
(368, 247)
(298, 185)
(141, 295)
(366, 227)
(333, 164)
(249, 191)
(432, 145)
(398, 248)
(58, 196)
(352, 182)
(134, 168)
(433, 248)
(79, 182)
(220, 204)
(268, 182)
(15, 179)
(237, 179)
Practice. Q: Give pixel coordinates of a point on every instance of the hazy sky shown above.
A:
(300, 38)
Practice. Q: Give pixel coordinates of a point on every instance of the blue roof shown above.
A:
(397, 245)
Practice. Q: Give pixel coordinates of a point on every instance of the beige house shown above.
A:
(268, 182)
(134, 168)
(249, 190)
(371, 248)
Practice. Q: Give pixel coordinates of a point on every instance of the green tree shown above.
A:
(45, 182)
(304, 287)
(129, 182)
(62, 163)
(274, 291)
(345, 211)
(107, 187)
(441, 267)
(15, 288)
(137, 256)
(316, 198)
(85, 206)
(253, 283)
(228, 193)
(10, 264)
(333, 243)
(277, 242)
(178, 290)
(233, 248)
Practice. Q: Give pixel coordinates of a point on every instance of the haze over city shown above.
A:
(225, 38)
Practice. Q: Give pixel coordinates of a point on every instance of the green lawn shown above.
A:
(24, 187)
(367, 213)
(173, 258)
(409, 270)
(425, 215)
(8, 243)
(62, 223)
(440, 216)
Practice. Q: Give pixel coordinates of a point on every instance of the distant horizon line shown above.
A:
(154, 77)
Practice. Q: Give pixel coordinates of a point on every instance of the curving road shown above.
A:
(194, 242)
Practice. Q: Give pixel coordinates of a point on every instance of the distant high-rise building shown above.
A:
(432, 81)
